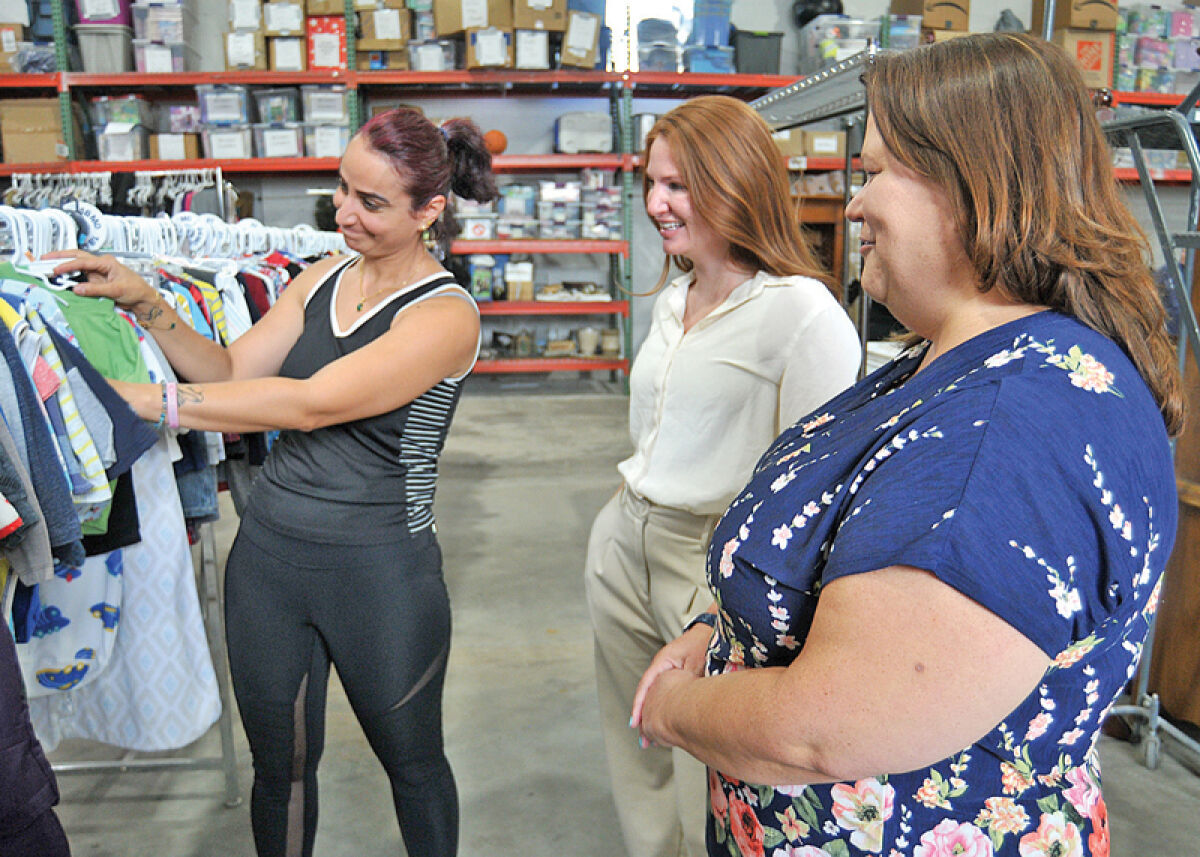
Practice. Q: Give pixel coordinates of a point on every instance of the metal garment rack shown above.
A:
(1164, 129)
(834, 92)
(837, 92)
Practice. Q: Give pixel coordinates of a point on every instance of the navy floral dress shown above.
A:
(1029, 469)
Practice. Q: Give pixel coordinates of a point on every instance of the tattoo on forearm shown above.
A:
(147, 318)
(189, 395)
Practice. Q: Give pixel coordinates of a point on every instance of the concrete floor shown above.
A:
(523, 474)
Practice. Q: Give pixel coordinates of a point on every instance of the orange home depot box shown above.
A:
(327, 41)
(1076, 15)
(1093, 52)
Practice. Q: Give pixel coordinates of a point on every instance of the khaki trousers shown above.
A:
(645, 579)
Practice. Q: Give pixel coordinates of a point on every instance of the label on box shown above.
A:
(539, 5)
(8, 41)
(491, 47)
(430, 58)
(326, 49)
(280, 143)
(99, 10)
(533, 49)
(289, 54)
(387, 24)
(581, 35)
(285, 17)
(325, 107)
(225, 106)
(474, 13)
(327, 141)
(823, 144)
(170, 147)
(244, 14)
(227, 145)
(158, 59)
(240, 50)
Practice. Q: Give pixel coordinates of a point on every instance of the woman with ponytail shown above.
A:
(935, 585)
(336, 562)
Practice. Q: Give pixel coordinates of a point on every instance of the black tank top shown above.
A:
(369, 481)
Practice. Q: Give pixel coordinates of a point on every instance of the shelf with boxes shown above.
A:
(1166, 165)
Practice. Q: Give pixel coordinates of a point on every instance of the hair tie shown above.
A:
(445, 134)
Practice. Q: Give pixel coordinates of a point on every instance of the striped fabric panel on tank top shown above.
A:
(424, 433)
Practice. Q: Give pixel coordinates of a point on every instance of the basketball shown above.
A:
(495, 141)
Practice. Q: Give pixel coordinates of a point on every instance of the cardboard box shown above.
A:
(327, 42)
(245, 51)
(581, 40)
(1093, 53)
(491, 47)
(825, 144)
(937, 14)
(10, 36)
(386, 25)
(452, 17)
(316, 8)
(790, 142)
(376, 60)
(548, 15)
(1076, 15)
(928, 37)
(174, 147)
(31, 131)
(245, 15)
(288, 53)
(531, 49)
(283, 18)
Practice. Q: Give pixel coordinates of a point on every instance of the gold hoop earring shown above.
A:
(428, 239)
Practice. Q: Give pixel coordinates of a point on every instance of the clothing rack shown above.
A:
(211, 596)
(837, 92)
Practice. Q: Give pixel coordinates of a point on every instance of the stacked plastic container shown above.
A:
(161, 37)
(326, 116)
(225, 131)
(105, 35)
(600, 211)
(708, 50)
(278, 132)
(122, 124)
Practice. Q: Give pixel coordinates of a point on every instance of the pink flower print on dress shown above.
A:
(747, 832)
(802, 851)
(953, 839)
(863, 809)
(1038, 725)
(1083, 793)
(1055, 837)
(1091, 374)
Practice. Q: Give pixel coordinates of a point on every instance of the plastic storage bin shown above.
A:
(277, 106)
(132, 109)
(179, 118)
(105, 48)
(433, 55)
(223, 104)
(659, 56)
(708, 59)
(279, 141)
(156, 58)
(710, 22)
(167, 24)
(326, 104)
(121, 141)
(228, 142)
(325, 141)
(755, 52)
(103, 12)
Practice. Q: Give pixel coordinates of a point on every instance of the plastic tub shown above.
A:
(228, 143)
(105, 48)
(277, 106)
(272, 141)
(122, 108)
(223, 105)
(326, 104)
(155, 58)
(169, 24)
(103, 12)
(325, 141)
(120, 141)
(756, 52)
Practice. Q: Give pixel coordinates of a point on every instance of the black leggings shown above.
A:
(381, 615)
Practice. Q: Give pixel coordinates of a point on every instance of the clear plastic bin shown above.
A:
(325, 141)
(272, 141)
(154, 58)
(277, 106)
(326, 104)
(516, 227)
(103, 11)
(228, 143)
(708, 59)
(567, 230)
(557, 212)
(223, 104)
(133, 109)
(105, 48)
(168, 24)
(659, 56)
(433, 55)
(179, 118)
(122, 141)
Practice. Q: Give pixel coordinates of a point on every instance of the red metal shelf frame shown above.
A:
(551, 364)
(526, 308)
(538, 245)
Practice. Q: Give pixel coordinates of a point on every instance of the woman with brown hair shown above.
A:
(936, 584)
(749, 338)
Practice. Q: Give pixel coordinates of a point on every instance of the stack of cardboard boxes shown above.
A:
(421, 35)
(1086, 30)
(940, 20)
